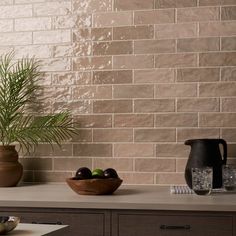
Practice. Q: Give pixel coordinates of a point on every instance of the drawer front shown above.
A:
(195, 225)
(126, 224)
(85, 224)
(134, 225)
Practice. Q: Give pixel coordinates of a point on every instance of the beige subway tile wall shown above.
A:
(139, 76)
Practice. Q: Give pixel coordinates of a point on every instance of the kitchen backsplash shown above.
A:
(139, 76)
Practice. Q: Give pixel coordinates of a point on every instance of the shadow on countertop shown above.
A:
(127, 191)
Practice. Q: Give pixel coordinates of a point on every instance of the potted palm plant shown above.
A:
(18, 123)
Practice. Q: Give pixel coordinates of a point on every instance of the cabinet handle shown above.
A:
(173, 227)
(47, 223)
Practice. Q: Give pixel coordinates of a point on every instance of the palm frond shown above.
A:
(18, 90)
(47, 129)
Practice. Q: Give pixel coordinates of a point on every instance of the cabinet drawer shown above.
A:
(80, 223)
(140, 224)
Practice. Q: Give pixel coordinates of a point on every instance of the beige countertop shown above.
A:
(126, 197)
(37, 229)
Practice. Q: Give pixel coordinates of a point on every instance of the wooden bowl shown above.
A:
(94, 186)
(8, 223)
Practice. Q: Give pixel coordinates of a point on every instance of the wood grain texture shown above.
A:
(94, 186)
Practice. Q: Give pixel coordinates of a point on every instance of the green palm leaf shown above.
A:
(18, 89)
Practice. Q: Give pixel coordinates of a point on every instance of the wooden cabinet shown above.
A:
(93, 222)
(151, 223)
(81, 222)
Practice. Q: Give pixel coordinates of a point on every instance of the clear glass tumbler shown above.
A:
(202, 180)
(229, 177)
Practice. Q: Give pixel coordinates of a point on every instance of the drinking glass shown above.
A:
(229, 177)
(202, 180)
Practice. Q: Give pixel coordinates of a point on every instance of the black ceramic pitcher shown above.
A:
(206, 152)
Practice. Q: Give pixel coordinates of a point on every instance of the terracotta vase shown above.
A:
(11, 170)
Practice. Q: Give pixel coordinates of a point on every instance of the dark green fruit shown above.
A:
(110, 173)
(83, 173)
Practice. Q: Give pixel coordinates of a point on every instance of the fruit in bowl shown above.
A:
(110, 173)
(83, 173)
(98, 174)
(100, 182)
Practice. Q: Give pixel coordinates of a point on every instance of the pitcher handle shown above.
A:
(223, 142)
